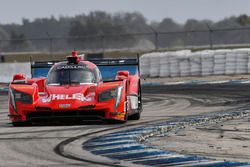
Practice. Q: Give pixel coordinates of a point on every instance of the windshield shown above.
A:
(70, 76)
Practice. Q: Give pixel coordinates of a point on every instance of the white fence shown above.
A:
(201, 63)
(7, 70)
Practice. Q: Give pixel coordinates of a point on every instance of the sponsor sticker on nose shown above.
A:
(76, 96)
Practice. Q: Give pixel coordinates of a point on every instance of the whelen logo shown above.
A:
(76, 96)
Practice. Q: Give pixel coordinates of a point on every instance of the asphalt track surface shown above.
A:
(54, 144)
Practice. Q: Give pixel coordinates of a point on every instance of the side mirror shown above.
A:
(18, 77)
(122, 75)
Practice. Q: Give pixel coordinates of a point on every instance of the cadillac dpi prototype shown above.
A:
(75, 89)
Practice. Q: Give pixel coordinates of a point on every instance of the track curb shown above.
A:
(129, 145)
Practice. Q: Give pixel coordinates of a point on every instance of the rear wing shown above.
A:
(114, 62)
(110, 67)
(107, 67)
(41, 68)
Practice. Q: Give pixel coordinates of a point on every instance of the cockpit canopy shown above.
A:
(71, 74)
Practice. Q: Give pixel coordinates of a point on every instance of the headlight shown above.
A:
(115, 93)
(107, 95)
(23, 97)
(19, 96)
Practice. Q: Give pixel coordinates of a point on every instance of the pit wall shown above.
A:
(200, 63)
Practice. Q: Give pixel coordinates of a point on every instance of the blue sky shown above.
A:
(12, 11)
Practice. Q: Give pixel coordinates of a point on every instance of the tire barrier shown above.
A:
(195, 64)
(201, 63)
(170, 64)
(241, 60)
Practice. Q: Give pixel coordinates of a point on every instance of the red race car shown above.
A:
(106, 89)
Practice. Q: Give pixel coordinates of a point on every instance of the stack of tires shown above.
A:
(201, 63)
(230, 67)
(164, 65)
(195, 64)
(220, 61)
(241, 60)
(145, 65)
(184, 62)
(174, 65)
(154, 62)
(207, 62)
